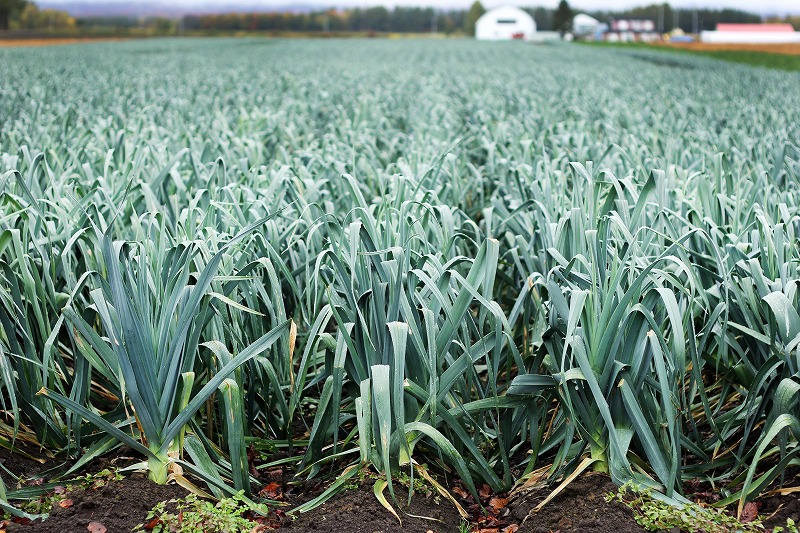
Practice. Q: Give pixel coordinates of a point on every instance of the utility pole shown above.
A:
(661, 18)
(676, 20)
(695, 25)
(434, 27)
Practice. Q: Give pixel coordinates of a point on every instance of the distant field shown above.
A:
(18, 43)
(778, 56)
(791, 49)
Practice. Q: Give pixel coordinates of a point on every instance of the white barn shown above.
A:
(505, 23)
(752, 34)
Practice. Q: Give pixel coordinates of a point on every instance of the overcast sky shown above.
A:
(759, 6)
(750, 5)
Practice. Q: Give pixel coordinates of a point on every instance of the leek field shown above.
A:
(485, 262)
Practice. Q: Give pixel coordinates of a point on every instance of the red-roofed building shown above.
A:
(755, 27)
(751, 34)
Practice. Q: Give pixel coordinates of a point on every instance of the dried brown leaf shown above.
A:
(152, 523)
(96, 527)
(498, 503)
(271, 491)
(461, 492)
(750, 512)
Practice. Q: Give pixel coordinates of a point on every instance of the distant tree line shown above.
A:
(421, 20)
(24, 15)
(668, 18)
(377, 19)
(21, 14)
(793, 20)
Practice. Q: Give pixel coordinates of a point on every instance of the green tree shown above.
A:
(474, 13)
(31, 17)
(7, 7)
(562, 19)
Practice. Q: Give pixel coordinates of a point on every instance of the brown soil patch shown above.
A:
(358, 511)
(791, 49)
(56, 41)
(580, 507)
(14, 466)
(776, 508)
(119, 506)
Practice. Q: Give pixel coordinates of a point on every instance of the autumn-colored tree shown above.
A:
(31, 17)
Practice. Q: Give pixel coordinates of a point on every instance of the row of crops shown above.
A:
(485, 258)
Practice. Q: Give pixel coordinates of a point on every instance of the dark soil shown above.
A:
(119, 506)
(23, 467)
(357, 511)
(776, 509)
(786, 507)
(580, 507)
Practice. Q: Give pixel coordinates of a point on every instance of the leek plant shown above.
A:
(153, 317)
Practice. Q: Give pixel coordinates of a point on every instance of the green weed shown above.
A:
(193, 515)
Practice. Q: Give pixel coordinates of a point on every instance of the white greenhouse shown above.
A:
(505, 23)
(583, 25)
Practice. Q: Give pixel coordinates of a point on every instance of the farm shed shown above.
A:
(632, 30)
(751, 33)
(583, 24)
(505, 23)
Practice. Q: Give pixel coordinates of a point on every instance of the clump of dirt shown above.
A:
(119, 506)
(580, 507)
(358, 511)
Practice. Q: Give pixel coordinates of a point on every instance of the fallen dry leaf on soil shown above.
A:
(271, 491)
(96, 527)
(484, 491)
(152, 523)
(497, 503)
(750, 512)
(461, 492)
(65, 504)
(508, 529)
